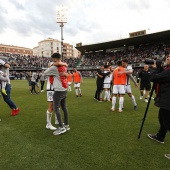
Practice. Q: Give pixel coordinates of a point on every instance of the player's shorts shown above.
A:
(50, 96)
(118, 89)
(145, 85)
(106, 85)
(69, 83)
(76, 85)
(128, 89)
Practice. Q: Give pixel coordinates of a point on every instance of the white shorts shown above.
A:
(128, 89)
(106, 86)
(50, 96)
(76, 85)
(118, 89)
(69, 83)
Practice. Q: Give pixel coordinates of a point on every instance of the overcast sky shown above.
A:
(26, 22)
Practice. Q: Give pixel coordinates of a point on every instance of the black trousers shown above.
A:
(164, 121)
(99, 90)
(59, 99)
(42, 84)
(33, 87)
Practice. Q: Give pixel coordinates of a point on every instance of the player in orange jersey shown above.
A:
(119, 82)
(77, 79)
(69, 79)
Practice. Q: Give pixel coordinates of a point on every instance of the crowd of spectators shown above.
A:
(134, 55)
(22, 61)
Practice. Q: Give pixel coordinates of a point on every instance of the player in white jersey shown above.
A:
(50, 92)
(107, 83)
(128, 86)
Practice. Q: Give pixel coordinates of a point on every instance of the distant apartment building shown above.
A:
(49, 46)
(67, 50)
(11, 49)
(76, 53)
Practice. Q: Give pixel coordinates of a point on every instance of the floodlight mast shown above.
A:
(61, 17)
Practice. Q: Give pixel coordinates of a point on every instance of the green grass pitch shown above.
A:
(98, 140)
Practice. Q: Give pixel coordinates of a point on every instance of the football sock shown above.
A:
(133, 100)
(121, 100)
(113, 102)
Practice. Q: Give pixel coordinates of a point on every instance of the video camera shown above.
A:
(151, 61)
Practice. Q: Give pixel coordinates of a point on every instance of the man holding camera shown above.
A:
(162, 100)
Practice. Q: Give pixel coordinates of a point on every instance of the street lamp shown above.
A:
(61, 17)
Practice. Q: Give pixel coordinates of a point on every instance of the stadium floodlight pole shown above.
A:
(61, 17)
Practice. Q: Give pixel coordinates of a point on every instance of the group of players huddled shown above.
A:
(113, 82)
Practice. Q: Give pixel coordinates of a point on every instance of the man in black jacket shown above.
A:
(162, 101)
(145, 84)
(99, 82)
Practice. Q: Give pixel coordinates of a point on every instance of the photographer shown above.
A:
(162, 100)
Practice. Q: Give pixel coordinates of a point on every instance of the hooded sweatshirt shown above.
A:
(57, 84)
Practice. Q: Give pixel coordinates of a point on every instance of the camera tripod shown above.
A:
(147, 107)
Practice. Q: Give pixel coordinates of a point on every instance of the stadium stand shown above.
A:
(137, 49)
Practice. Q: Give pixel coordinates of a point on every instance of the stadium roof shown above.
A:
(144, 39)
